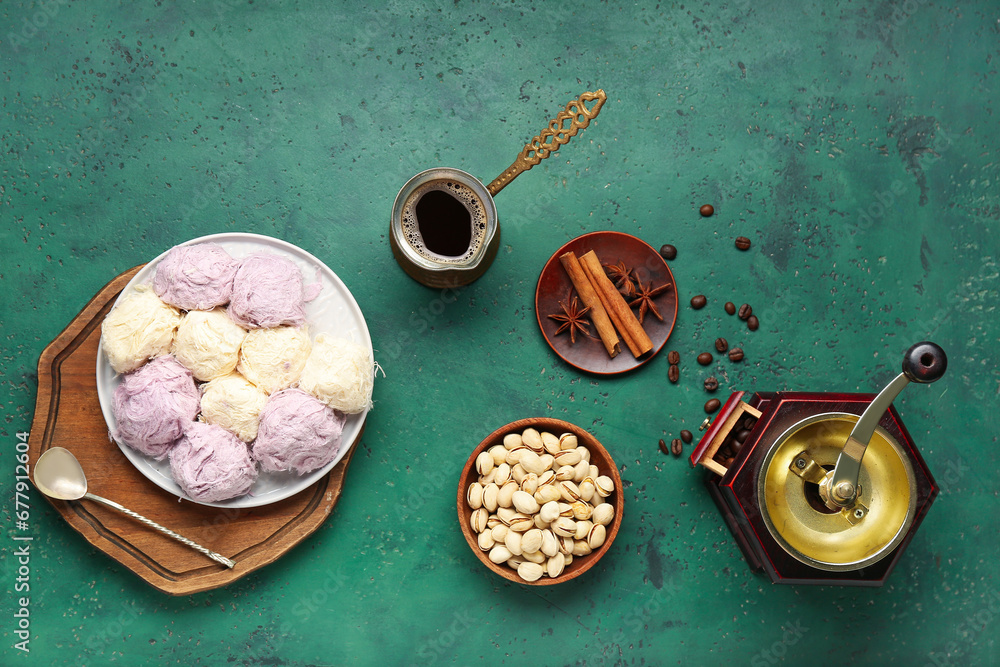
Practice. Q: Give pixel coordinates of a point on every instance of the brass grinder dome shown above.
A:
(846, 539)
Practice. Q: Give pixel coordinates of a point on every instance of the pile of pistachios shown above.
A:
(539, 503)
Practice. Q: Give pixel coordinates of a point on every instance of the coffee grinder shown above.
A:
(821, 488)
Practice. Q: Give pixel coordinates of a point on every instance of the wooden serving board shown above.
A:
(68, 414)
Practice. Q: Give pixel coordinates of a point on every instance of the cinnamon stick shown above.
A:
(598, 315)
(628, 326)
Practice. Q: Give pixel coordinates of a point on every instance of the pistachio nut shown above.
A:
(539, 523)
(582, 528)
(531, 462)
(478, 520)
(493, 522)
(564, 473)
(569, 490)
(506, 495)
(605, 486)
(568, 558)
(506, 514)
(489, 477)
(533, 439)
(566, 510)
(550, 442)
(587, 489)
(514, 455)
(499, 532)
(563, 526)
(475, 495)
(547, 477)
(550, 544)
(596, 536)
(580, 471)
(522, 522)
(549, 512)
(566, 545)
(532, 541)
(584, 453)
(517, 473)
(486, 541)
(547, 461)
(581, 548)
(490, 493)
(603, 514)
(555, 565)
(513, 542)
(530, 483)
(530, 571)
(525, 502)
(582, 510)
(499, 453)
(534, 557)
(499, 554)
(512, 440)
(484, 463)
(594, 472)
(565, 457)
(514, 561)
(568, 441)
(501, 474)
(546, 494)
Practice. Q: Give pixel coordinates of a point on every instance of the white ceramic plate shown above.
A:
(334, 312)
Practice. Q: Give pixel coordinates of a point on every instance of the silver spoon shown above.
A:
(59, 475)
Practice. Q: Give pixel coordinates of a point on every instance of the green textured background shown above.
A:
(854, 142)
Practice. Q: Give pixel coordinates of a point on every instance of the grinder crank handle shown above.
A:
(924, 362)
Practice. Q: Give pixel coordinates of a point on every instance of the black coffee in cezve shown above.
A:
(444, 220)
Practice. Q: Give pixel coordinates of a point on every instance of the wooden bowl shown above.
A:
(599, 456)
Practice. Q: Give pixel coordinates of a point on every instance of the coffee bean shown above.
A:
(749, 421)
(687, 436)
(673, 373)
(676, 447)
(728, 463)
(705, 358)
(753, 323)
(730, 308)
(673, 357)
(663, 447)
(737, 446)
(741, 435)
(745, 311)
(707, 210)
(711, 384)
(667, 251)
(721, 344)
(736, 354)
(743, 243)
(712, 405)
(698, 302)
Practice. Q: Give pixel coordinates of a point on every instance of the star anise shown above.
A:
(572, 319)
(621, 276)
(644, 299)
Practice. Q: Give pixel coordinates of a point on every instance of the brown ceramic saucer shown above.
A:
(599, 456)
(554, 286)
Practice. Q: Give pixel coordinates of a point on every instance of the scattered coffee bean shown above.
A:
(753, 323)
(687, 436)
(698, 301)
(737, 446)
(712, 405)
(730, 308)
(705, 358)
(667, 251)
(743, 243)
(711, 384)
(663, 447)
(721, 344)
(676, 447)
(707, 210)
(673, 373)
(745, 311)
(741, 435)
(673, 357)
(736, 354)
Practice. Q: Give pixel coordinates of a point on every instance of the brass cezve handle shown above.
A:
(552, 137)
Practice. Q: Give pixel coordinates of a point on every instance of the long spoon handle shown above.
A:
(166, 531)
